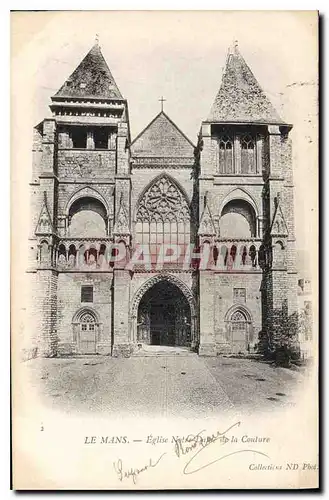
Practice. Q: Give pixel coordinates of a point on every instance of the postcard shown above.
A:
(164, 250)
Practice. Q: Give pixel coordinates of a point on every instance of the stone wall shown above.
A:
(44, 287)
(86, 164)
(69, 303)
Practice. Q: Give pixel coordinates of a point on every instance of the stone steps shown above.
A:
(151, 351)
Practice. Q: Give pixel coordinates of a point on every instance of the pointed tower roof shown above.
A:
(91, 79)
(240, 98)
(162, 138)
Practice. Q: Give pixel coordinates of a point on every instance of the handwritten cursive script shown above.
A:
(133, 473)
(200, 442)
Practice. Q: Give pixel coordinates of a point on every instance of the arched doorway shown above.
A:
(164, 316)
(87, 340)
(240, 330)
(85, 331)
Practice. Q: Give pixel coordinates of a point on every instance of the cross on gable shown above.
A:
(162, 100)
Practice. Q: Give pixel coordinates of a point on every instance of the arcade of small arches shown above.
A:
(97, 255)
(227, 256)
(163, 215)
(88, 254)
(237, 255)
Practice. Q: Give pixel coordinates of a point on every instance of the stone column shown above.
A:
(90, 140)
(207, 345)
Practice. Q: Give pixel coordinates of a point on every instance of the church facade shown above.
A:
(155, 240)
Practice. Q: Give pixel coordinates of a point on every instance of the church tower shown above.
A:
(80, 208)
(246, 195)
(221, 213)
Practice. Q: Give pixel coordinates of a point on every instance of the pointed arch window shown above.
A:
(240, 331)
(248, 154)
(226, 165)
(163, 215)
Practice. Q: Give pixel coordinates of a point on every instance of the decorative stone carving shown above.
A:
(44, 253)
(162, 200)
(44, 225)
(207, 226)
(89, 163)
(278, 226)
(121, 226)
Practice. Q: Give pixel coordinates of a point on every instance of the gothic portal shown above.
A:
(164, 316)
(105, 206)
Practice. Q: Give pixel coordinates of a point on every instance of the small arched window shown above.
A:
(233, 252)
(226, 155)
(244, 253)
(61, 255)
(253, 255)
(279, 254)
(44, 252)
(72, 256)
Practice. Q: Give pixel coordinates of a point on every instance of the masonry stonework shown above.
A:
(98, 197)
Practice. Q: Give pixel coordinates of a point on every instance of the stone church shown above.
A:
(105, 205)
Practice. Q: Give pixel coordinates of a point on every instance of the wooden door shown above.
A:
(87, 343)
(239, 330)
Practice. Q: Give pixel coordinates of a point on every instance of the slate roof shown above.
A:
(162, 138)
(91, 79)
(240, 98)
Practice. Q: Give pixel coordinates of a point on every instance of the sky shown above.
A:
(179, 55)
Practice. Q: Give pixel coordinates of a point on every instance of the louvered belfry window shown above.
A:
(237, 154)
(226, 165)
(248, 154)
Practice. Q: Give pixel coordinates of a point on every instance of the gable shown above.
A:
(278, 226)
(162, 138)
(44, 225)
(207, 226)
